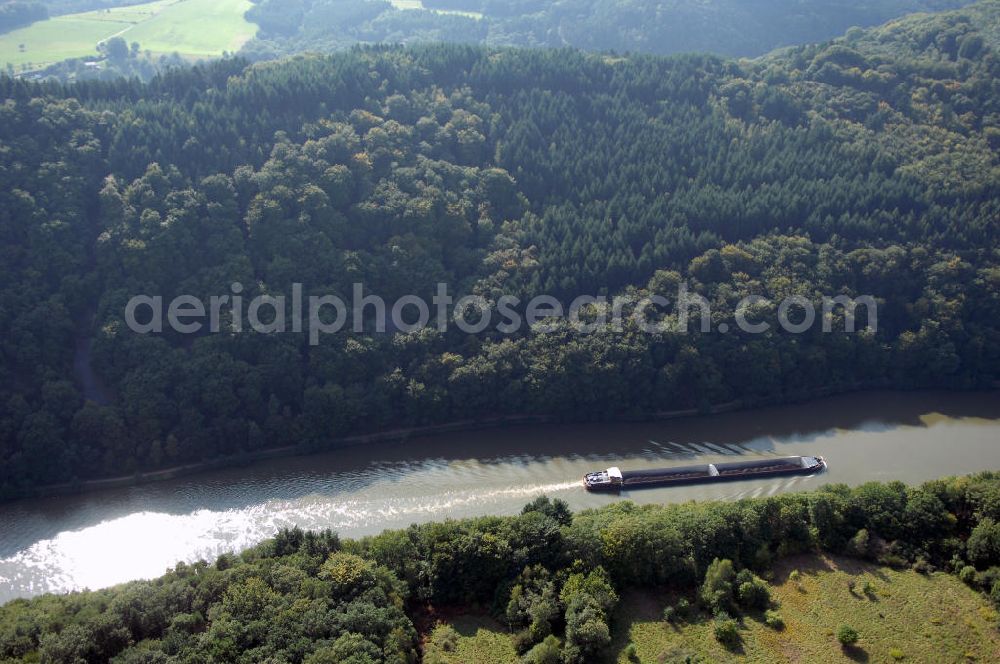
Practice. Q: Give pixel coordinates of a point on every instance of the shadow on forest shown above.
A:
(341, 472)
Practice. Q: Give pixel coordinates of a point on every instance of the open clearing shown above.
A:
(192, 28)
(904, 616)
(419, 4)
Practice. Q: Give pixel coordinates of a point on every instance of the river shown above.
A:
(99, 539)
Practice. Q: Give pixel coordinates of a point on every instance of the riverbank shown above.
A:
(402, 434)
(453, 562)
(59, 543)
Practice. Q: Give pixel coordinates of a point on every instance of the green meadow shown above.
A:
(192, 28)
(901, 616)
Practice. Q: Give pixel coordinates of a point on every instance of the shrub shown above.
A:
(631, 654)
(444, 638)
(762, 558)
(995, 593)
(587, 631)
(984, 543)
(678, 612)
(348, 647)
(546, 652)
(522, 641)
(774, 620)
(893, 560)
(348, 574)
(533, 604)
(224, 562)
(967, 574)
(752, 591)
(727, 631)
(717, 590)
(556, 509)
(860, 545)
(847, 635)
(897, 654)
(988, 577)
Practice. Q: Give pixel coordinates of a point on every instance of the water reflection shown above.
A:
(99, 539)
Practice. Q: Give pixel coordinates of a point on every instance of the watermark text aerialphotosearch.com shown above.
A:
(329, 314)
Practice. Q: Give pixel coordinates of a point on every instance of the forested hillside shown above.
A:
(289, 27)
(16, 14)
(725, 27)
(553, 578)
(863, 166)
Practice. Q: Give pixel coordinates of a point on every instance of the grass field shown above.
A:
(482, 640)
(905, 617)
(192, 28)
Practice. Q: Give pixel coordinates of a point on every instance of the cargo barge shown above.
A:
(615, 479)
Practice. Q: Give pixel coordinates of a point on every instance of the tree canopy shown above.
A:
(863, 166)
(313, 598)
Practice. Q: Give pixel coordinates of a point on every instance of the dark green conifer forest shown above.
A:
(863, 166)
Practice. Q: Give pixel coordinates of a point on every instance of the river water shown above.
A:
(103, 538)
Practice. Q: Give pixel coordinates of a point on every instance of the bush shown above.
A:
(984, 543)
(774, 620)
(988, 577)
(533, 604)
(631, 654)
(860, 545)
(762, 558)
(678, 612)
(546, 652)
(727, 631)
(348, 574)
(995, 594)
(968, 575)
(847, 635)
(893, 560)
(587, 630)
(897, 654)
(348, 647)
(556, 509)
(752, 591)
(444, 638)
(522, 641)
(717, 590)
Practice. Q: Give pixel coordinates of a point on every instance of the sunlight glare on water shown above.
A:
(100, 539)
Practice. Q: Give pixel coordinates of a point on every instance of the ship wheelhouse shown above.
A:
(604, 479)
